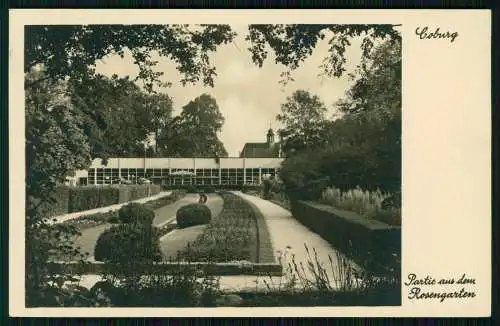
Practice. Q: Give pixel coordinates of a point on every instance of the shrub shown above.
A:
(193, 214)
(191, 189)
(136, 213)
(370, 204)
(133, 192)
(210, 190)
(128, 243)
(266, 192)
(61, 204)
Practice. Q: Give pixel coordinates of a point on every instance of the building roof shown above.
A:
(260, 150)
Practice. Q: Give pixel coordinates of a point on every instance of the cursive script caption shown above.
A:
(424, 33)
(424, 287)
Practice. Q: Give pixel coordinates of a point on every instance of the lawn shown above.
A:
(88, 221)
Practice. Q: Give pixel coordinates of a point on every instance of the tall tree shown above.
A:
(120, 105)
(55, 142)
(194, 131)
(303, 119)
(156, 115)
(371, 126)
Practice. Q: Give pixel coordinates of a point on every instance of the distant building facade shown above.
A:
(257, 161)
(180, 171)
(268, 149)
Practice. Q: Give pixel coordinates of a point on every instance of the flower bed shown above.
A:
(231, 236)
(367, 204)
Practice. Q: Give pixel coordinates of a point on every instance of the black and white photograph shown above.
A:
(213, 165)
(194, 165)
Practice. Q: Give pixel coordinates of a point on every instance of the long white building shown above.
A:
(176, 171)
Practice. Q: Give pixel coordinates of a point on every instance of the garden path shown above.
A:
(178, 239)
(70, 216)
(285, 232)
(290, 236)
(88, 239)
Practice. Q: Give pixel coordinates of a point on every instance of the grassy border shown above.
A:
(265, 250)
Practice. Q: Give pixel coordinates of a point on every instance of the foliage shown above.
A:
(55, 143)
(167, 200)
(60, 204)
(231, 236)
(362, 147)
(134, 213)
(374, 247)
(128, 244)
(89, 197)
(48, 243)
(120, 105)
(302, 174)
(133, 192)
(316, 283)
(194, 131)
(73, 50)
(157, 115)
(88, 221)
(191, 189)
(303, 119)
(365, 203)
(182, 287)
(209, 189)
(193, 214)
(292, 44)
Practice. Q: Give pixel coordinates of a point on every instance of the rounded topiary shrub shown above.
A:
(193, 214)
(126, 243)
(136, 213)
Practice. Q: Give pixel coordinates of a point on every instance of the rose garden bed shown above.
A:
(233, 235)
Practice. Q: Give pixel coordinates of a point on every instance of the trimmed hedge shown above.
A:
(76, 199)
(133, 192)
(61, 204)
(193, 214)
(89, 197)
(128, 243)
(373, 245)
(136, 213)
(191, 189)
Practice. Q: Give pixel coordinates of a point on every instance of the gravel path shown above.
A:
(289, 235)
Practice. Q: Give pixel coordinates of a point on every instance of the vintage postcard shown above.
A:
(250, 163)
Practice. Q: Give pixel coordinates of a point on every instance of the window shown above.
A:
(91, 176)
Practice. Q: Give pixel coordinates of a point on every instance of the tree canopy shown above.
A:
(303, 119)
(363, 146)
(72, 50)
(194, 131)
(292, 44)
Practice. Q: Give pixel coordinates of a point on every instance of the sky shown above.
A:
(248, 97)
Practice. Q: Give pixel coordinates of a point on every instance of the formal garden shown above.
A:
(337, 197)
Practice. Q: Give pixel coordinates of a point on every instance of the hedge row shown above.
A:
(212, 188)
(373, 245)
(61, 204)
(133, 192)
(76, 199)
